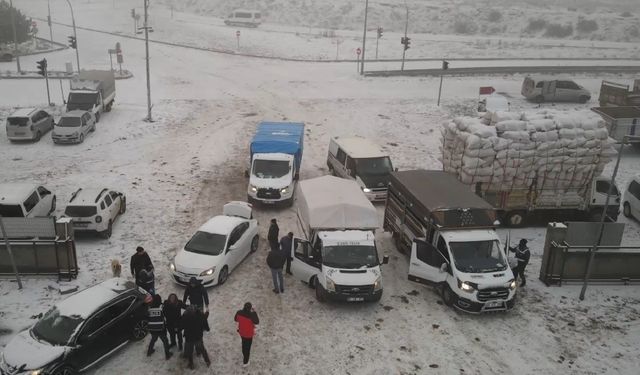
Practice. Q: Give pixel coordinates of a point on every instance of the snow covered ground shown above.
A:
(179, 170)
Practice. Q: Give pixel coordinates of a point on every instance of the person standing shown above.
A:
(272, 236)
(197, 295)
(172, 309)
(522, 255)
(247, 318)
(275, 261)
(140, 261)
(194, 324)
(285, 246)
(157, 327)
(146, 280)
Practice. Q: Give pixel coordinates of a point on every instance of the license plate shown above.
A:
(80, 225)
(492, 304)
(184, 279)
(355, 299)
(268, 202)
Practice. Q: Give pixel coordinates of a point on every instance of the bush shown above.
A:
(626, 14)
(465, 26)
(536, 25)
(555, 30)
(633, 32)
(494, 16)
(586, 26)
(22, 24)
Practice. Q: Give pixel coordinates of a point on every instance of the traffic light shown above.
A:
(42, 67)
(405, 41)
(72, 42)
(445, 65)
(380, 30)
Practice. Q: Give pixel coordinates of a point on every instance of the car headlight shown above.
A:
(284, 190)
(467, 286)
(35, 372)
(253, 188)
(172, 266)
(331, 286)
(76, 134)
(366, 190)
(208, 272)
(513, 284)
(377, 285)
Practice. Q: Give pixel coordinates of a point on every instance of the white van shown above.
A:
(26, 200)
(246, 18)
(28, 124)
(554, 91)
(631, 199)
(359, 159)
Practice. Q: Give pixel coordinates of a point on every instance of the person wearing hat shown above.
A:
(140, 261)
(272, 236)
(522, 255)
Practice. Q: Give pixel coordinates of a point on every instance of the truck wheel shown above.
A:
(319, 292)
(38, 136)
(626, 209)
(583, 99)
(108, 108)
(539, 99)
(447, 295)
(515, 219)
(97, 117)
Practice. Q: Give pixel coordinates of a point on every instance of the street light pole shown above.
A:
(49, 20)
(15, 36)
(406, 28)
(146, 47)
(75, 35)
(364, 36)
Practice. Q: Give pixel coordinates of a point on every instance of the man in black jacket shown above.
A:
(274, 232)
(172, 309)
(522, 255)
(140, 261)
(285, 246)
(156, 327)
(197, 295)
(194, 324)
(275, 261)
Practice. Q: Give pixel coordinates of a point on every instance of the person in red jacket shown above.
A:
(247, 318)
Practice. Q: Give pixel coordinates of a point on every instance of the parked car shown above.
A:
(246, 18)
(6, 55)
(26, 200)
(73, 127)
(218, 246)
(631, 199)
(554, 91)
(80, 331)
(95, 210)
(28, 124)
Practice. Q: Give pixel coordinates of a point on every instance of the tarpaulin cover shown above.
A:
(279, 137)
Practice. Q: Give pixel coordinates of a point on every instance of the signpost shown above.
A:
(358, 52)
(119, 57)
(238, 38)
(111, 52)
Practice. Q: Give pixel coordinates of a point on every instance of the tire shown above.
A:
(515, 219)
(65, 370)
(93, 128)
(254, 243)
(108, 108)
(447, 295)
(123, 205)
(312, 282)
(539, 99)
(626, 209)
(140, 330)
(53, 205)
(223, 276)
(37, 137)
(583, 99)
(319, 292)
(97, 118)
(107, 233)
(81, 138)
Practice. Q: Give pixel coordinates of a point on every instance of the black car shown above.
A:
(80, 331)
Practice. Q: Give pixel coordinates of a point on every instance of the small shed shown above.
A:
(620, 121)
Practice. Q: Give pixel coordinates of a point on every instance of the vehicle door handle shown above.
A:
(415, 264)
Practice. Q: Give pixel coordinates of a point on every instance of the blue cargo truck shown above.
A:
(276, 155)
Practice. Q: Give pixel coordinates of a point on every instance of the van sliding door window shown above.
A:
(31, 202)
(340, 156)
(351, 166)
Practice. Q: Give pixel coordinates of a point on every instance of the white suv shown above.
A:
(95, 210)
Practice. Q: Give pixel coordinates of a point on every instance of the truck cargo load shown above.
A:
(93, 91)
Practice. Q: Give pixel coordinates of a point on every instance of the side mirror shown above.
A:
(444, 267)
(385, 259)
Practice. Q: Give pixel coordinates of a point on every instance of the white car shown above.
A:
(26, 200)
(631, 199)
(73, 127)
(218, 246)
(95, 210)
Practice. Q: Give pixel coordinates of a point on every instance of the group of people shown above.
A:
(185, 321)
(279, 255)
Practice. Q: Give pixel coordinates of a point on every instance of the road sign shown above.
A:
(118, 48)
(358, 51)
(238, 33)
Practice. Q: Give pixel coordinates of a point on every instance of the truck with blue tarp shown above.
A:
(276, 156)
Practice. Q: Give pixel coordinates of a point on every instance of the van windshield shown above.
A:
(373, 166)
(11, 210)
(69, 122)
(478, 256)
(18, 121)
(271, 168)
(82, 98)
(350, 256)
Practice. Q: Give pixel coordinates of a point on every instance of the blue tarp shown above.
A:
(279, 137)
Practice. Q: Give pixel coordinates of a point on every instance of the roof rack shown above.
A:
(73, 196)
(99, 195)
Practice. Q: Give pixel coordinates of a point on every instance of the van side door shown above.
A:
(426, 262)
(305, 263)
(30, 205)
(339, 162)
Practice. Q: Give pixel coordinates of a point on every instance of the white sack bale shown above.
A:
(511, 125)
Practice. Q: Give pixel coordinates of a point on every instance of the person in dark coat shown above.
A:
(172, 309)
(247, 318)
(140, 261)
(522, 255)
(285, 246)
(275, 261)
(194, 324)
(274, 232)
(146, 280)
(157, 327)
(196, 294)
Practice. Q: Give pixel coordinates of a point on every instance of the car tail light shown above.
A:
(98, 219)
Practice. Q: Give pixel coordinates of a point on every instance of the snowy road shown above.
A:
(181, 169)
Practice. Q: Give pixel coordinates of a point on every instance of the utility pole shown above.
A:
(49, 20)
(380, 30)
(13, 262)
(406, 28)
(15, 36)
(364, 36)
(75, 35)
(146, 48)
(445, 66)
